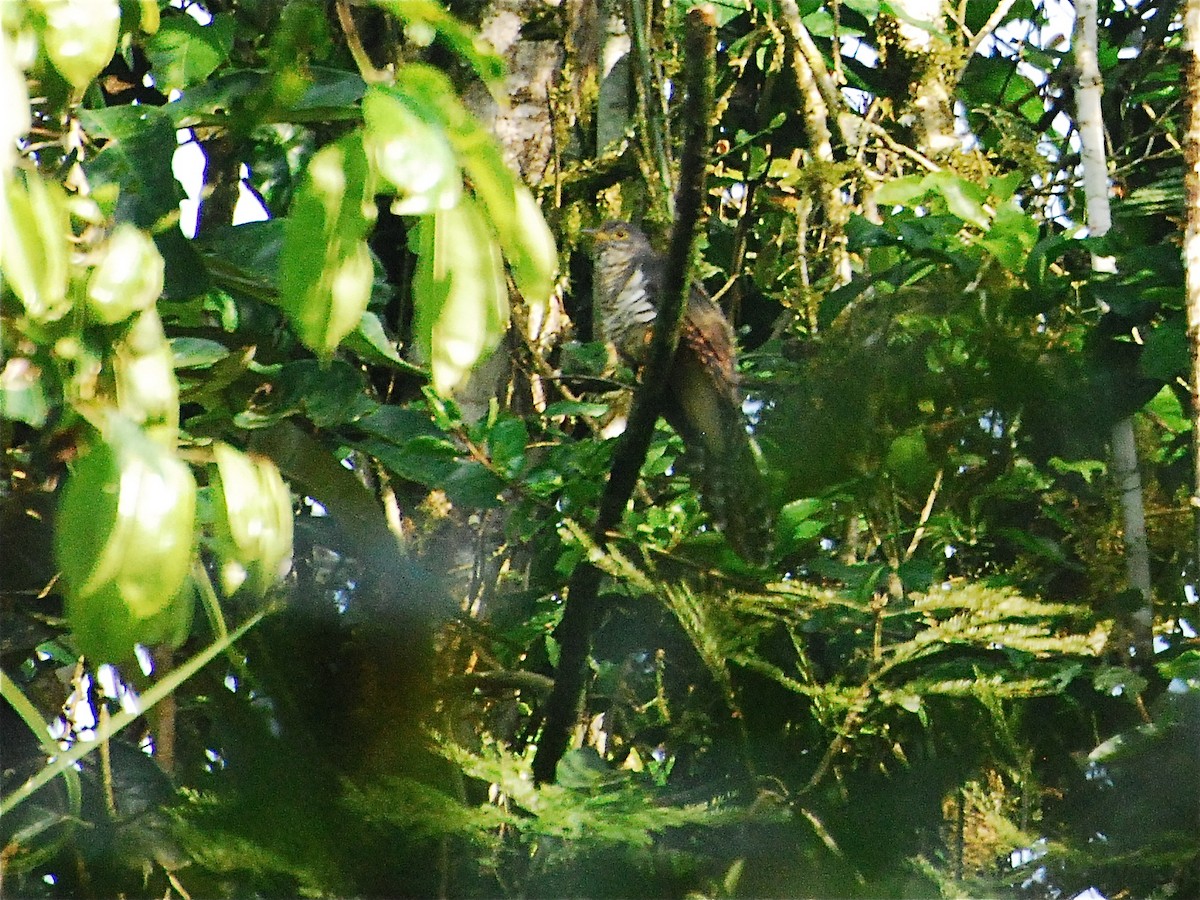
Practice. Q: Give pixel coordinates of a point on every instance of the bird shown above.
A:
(703, 400)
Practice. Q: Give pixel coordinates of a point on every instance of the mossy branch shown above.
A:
(581, 609)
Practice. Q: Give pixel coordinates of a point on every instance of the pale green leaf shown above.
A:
(964, 199)
(411, 153)
(459, 294)
(325, 267)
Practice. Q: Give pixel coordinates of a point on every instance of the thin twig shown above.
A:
(926, 511)
(366, 68)
(981, 35)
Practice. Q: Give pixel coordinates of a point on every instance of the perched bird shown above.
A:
(703, 402)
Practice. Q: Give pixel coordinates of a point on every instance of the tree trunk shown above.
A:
(1099, 219)
(1191, 235)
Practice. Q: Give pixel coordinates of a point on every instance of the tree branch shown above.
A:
(580, 611)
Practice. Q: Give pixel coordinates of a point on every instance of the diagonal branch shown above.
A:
(580, 611)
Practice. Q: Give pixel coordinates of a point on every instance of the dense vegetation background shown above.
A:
(290, 507)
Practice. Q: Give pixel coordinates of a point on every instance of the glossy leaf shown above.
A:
(183, 52)
(124, 539)
(138, 159)
(33, 244)
(80, 36)
(461, 303)
(325, 266)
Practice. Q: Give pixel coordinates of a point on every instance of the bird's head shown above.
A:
(616, 237)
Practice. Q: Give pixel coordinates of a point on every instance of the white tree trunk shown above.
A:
(1128, 478)
(1191, 234)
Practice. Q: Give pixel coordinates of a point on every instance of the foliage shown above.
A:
(290, 506)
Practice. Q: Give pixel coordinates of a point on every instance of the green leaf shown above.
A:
(461, 304)
(510, 209)
(1119, 680)
(1185, 666)
(576, 408)
(138, 158)
(964, 199)
(426, 459)
(1167, 408)
(123, 539)
(425, 18)
(183, 52)
(797, 521)
(473, 485)
(335, 394)
(901, 191)
(506, 442)
(398, 424)
(411, 153)
(325, 266)
(252, 247)
(868, 9)
(1165, 355)
(372, 343)
(197, 353)
(34, 229)
(1011, 237)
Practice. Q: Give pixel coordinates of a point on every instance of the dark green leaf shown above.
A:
(1165, 355)
(138, 159)
(183, 52)
(197, 353)
(506, 441)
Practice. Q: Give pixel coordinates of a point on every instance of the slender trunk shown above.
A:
(1191, 234)
(1124, 448)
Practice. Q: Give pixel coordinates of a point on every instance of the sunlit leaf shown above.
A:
(183, 52)
(411, 153)
(33, 244)
(325, 266)
(899, 191)
(123, 539)
(461, 305)
(964, 199)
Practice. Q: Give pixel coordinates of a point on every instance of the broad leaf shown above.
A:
(325, 267)
(184, 52)
(459, 294)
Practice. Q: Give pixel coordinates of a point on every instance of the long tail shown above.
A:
(706, 411)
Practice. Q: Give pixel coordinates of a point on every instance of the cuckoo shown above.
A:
(703, 400)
